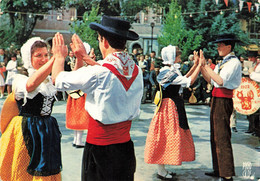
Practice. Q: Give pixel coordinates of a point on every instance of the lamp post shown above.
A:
(152, 26)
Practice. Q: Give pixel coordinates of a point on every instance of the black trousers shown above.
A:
(254, 122)
(108, 163)
(220, 136)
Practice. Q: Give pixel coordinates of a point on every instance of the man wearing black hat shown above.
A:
(254, 75)
(255, 118)
(114, 91)
(225, 77)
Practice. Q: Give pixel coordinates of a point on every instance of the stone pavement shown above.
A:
(247, 160)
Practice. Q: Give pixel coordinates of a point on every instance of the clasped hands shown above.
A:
(199, 59)
(61, 50)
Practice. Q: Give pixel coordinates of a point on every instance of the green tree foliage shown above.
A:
(123, 8)
(210, 23)
(7, 32)
(81, 28)
(173, 32)
(108, 7)
(130, 8)
(19, 20)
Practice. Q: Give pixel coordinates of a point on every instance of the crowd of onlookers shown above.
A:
(10, 64)
(151, 65)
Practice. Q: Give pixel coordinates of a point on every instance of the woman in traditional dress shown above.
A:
(76, 104)
(30, 144)
(169, 140)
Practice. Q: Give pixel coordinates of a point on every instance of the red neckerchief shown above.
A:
(122, 65)
(126, 83)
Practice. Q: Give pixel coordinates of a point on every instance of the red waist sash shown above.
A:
(101, 134)
(222, 92)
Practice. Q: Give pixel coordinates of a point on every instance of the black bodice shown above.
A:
(172, 92)
(38, 106)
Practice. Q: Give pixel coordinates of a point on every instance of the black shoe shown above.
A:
(212, 174)
(79, 146)
(234, 129)
(258, 147)
(165, 177)
(74, 145)
(172, 174)
(249, 131)
(224, 179)
(254, 134)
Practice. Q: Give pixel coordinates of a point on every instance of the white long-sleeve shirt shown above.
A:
(107, 99)
(255, 76)
(230, 73)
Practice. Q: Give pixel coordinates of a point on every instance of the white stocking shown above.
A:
(79, 138)
(162, 171)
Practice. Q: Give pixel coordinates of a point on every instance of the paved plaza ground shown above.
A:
(247, 158)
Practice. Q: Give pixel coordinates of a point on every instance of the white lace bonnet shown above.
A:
(168, 55)
(26, 52)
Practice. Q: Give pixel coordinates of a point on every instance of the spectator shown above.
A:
(148, 60)
(233, 121)
(11, 69)
(134, 55)
(207, 89)
(184, 67)
(2, 81)
(146, 83)
(154, 82)
(254, 74)
(242, 59)
(196, 89)
(142, 61)
(191, 61)
(69, 61)
(138, 58)
(3, 57)
(155, 62)
(19, 58)
(140, 51)
(211, 64)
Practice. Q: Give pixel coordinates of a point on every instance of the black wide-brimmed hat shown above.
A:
(116, 27)
(252, 53)
(225, 37)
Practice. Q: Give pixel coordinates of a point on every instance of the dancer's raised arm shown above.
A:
(60, 51)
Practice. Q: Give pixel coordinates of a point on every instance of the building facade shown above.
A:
(147, 24)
